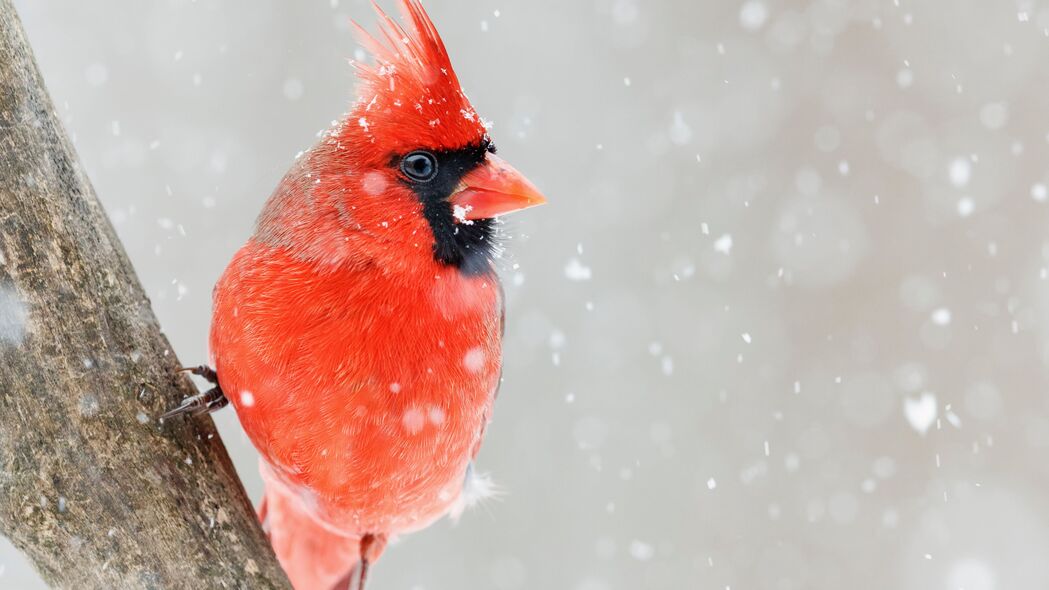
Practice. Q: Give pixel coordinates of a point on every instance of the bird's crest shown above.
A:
(411, 91)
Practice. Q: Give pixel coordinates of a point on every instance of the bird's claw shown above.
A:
(210, 401)
(204, 371)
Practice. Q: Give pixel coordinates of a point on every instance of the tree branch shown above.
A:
(92, 488)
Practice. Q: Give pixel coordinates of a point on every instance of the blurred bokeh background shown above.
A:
(784, 324)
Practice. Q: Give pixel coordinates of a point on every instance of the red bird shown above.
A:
(358, 331)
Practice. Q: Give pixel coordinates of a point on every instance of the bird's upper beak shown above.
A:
(493, 189)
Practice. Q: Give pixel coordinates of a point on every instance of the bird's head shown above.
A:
(419, 156)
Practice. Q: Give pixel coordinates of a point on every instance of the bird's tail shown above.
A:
(313, 557)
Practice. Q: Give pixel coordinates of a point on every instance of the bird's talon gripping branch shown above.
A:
(210, 401)
(202, 371)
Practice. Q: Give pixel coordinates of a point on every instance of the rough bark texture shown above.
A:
(93, 488)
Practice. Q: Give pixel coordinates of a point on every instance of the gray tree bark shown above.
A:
(93, 488)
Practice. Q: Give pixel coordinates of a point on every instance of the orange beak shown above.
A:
(493, 189)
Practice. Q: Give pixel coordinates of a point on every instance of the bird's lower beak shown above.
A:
(493, 189)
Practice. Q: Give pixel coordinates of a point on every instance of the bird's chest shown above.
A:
(369, 400)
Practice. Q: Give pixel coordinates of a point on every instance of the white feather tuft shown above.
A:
(477, 487)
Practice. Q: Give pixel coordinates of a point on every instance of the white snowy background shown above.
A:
(784, 323)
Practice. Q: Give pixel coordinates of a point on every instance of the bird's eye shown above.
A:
(420, 166)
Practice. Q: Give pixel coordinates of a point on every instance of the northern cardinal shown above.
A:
(357, 333)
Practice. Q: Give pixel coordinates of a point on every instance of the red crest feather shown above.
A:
(411, 98)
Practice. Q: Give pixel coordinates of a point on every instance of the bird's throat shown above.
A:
(468, 246)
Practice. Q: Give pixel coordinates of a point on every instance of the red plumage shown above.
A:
(362, 365)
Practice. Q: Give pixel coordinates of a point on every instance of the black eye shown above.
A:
(420, 166)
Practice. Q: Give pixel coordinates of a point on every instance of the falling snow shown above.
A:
(474, 359)
(723, 244)
(575, 270)
(753, 15)
(921, 412)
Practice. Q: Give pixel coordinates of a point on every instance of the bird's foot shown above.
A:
(210, 401)
(204, 371)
